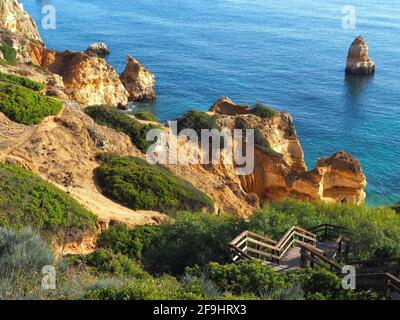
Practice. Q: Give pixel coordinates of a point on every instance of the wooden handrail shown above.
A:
(268, 248)
(315, 256)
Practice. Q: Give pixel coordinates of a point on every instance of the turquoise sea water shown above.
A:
(289, 54)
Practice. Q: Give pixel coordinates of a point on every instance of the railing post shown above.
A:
(387, 289)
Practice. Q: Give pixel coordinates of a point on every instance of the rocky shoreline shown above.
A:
(72, 140)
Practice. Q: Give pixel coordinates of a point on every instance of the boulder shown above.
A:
(138, 81)
(358, 61)
(99, 49)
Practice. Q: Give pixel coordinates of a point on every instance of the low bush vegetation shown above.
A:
(105, 261)
(27, 200)
(197, 120)
(25, 106)
(138, 185)
(264, 111)
(23, 254)
(374, 232)
(191, 239)
(260, 280)
(22, 81)
(122, 122)
(128, 241)
(146, 116)
(9, 55)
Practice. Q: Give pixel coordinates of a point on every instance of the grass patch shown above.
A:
(121, 122)
(9, 55)
(25, 106)
(22, 81)
(264, 111)
(27, 200)
(146, 116)
(138, 185)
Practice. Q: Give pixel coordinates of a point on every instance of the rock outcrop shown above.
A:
(87, 79)
(138, 81)
(15, 19)
(99, 49)
(280, 171)
(226, 106)
(358, 61)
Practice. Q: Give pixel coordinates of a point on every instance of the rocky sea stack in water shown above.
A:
(138, 81)
(358, 61)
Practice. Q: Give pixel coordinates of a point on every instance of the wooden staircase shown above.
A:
(325, 245)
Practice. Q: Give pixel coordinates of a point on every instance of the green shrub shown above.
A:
(25, 106)
(108, 262)
(9, 55)
(197, 120)
(121, 122)
(25, 82)
(321, 284)
(124, 240)
(374, 231)
(163, 288)
(263, 111)
(246, 277)
(194, 238)
(146, 116)
(22, 250)
(138, 185)
(23, 254)
(27, 200)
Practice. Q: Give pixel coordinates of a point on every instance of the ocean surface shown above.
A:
(288, 54)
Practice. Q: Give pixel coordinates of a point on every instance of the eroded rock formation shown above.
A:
(358, 61)
(280, 171)
(14, 18)
(138, 81)
(87, 79)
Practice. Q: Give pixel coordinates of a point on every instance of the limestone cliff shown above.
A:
(15, 19)
(358, 61)
(88, 80)
(138, 81)
(280, 171)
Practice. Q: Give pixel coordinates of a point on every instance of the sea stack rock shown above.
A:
(358, 61)
(15, 19)
(138, 81)
(99, 49)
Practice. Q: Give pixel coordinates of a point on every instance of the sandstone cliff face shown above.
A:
(138, 81)
(87, 79)
(280, 171)
(358, 61)
(15, 19)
